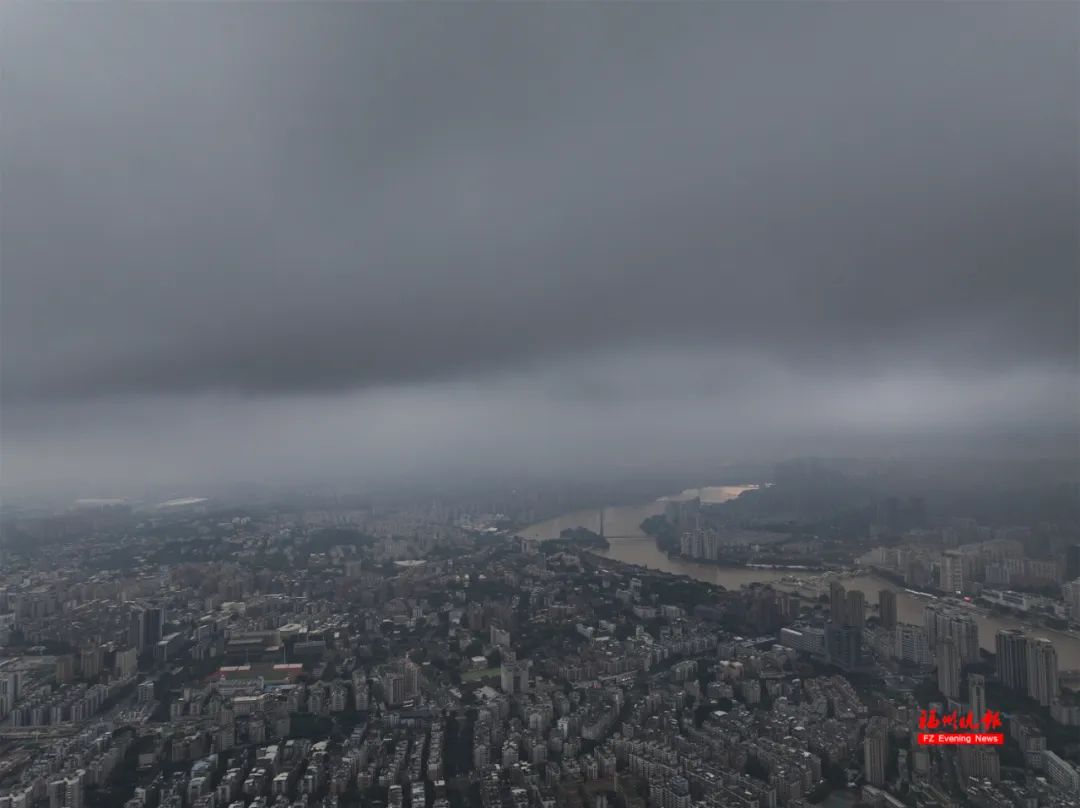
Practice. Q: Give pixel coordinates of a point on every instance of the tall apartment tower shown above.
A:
(1010, 646)
(977, 695)
(887, 608)
(1042, 671)
(944, 621)
(951, 579)
(836, 603)
(1072, 562)
(876, 753)
(146, 627)
(855, 608)
(948, 667)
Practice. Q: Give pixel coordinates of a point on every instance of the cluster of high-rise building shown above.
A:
(268, 666)
(997, 561)
(953, 636)
(401, 683)
(1028, 664)
(514, 673)
(704, 543)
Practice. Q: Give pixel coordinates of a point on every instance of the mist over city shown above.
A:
(540, 405)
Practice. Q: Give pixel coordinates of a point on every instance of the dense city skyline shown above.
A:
(540, 405)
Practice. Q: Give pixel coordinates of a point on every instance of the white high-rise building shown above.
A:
(125, 663)
(875, 753)
(1071, 594)
(952, 573)
(75, 789)
(514, 674)
(945, 621)
(1042, 671)
(911, 644)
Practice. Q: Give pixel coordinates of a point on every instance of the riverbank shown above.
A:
(630, 545)
(732, 563)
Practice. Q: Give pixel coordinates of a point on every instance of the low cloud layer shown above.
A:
(657, 414)
(233, 234)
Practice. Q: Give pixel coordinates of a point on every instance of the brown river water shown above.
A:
(622, 528)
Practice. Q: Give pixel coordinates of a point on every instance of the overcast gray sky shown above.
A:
(245, 240)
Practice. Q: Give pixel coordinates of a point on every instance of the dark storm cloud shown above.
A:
(322, 197)
(678, 415)
(305, 241)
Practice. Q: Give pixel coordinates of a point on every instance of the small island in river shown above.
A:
(583, 537)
